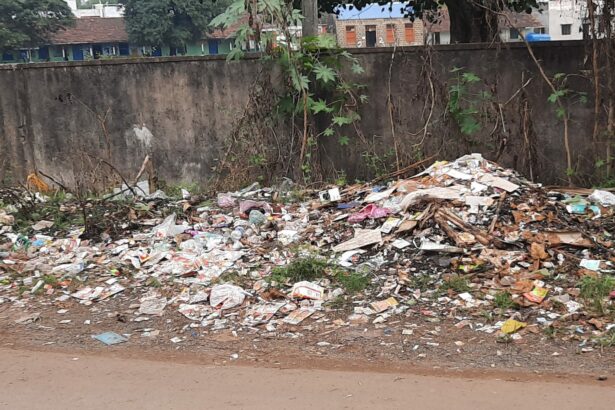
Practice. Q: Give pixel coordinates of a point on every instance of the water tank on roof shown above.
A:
(534, 37)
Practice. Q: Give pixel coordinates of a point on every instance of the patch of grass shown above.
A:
(353, 282)
(309, 268)
(487, 315)
(506, 339)
(295, 196)
(50, 280)
(550, 332)
(503, 300)
(232, 276)
(607, 340)
(175, 190)
(153, 283)
(595, 290)
(421, 282)
(456, 283)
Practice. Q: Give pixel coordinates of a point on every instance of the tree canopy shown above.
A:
(471, 20)
(29, 23)
(170, 22)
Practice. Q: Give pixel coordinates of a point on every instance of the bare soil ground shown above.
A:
(314, 344)
(44, 380)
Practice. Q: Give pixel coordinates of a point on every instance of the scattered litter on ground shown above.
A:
(110, 338)
(466, 241)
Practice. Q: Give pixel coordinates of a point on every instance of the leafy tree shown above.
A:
(30, 23)
(169, 22)
(471, 20)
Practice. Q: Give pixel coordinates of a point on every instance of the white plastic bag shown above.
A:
(168, 228)
(226, 295)
(604, 198)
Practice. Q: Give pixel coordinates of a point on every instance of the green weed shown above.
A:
(309, 268)
(607, 340)
(234, 277)
(153, 283)
(175, 190)
(421, 282)
(353, 282)
(595, 290)
(550, 332)
(503, 300)
(455, 283)
(50, 280)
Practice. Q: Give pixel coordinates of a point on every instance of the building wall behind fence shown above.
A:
(182, 110)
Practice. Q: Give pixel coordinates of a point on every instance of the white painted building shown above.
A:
(563, 19)
(101, 9)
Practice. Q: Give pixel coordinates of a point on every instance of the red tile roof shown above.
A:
(89, 30)
(520, 20)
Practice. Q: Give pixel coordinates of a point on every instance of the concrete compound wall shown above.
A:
(180, 111)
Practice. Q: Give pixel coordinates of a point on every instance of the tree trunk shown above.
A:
(309, 9)
(471, 23)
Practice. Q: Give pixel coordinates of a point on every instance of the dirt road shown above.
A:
(45, 380)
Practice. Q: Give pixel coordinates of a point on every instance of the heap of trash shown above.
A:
(465, 241)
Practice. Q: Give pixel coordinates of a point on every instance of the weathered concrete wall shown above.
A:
(519, 127)
(181, 110)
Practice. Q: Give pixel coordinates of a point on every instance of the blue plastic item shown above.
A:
(110, 338)
(535, 37)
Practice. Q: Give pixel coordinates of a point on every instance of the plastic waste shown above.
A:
(226, 296)
(237, 233)
(70, 268)
(248, 205)
(256, 217)
(152, 305)
(168, 227)
(604, 198)
(370, 211)
(307, 290)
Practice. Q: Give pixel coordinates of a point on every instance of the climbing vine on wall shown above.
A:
(314, 83)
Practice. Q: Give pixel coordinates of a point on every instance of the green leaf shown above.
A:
(320, 106)
(235, 54)
(327, 41)
(468, 125)
(231, 15)
(296, 17)
(357, 69)
(328, 132)
(485, 95)
(287, 104)
(324, 73)
(552, 98)
(343, 140)
(560, 112)
(559, 76)
(347, 55)
(363, 98)
(300, 81)
(340, 121)
(470, 78)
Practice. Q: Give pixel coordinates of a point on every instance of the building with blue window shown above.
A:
(89, 38)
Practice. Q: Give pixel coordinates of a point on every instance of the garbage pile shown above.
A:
(465, 241)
